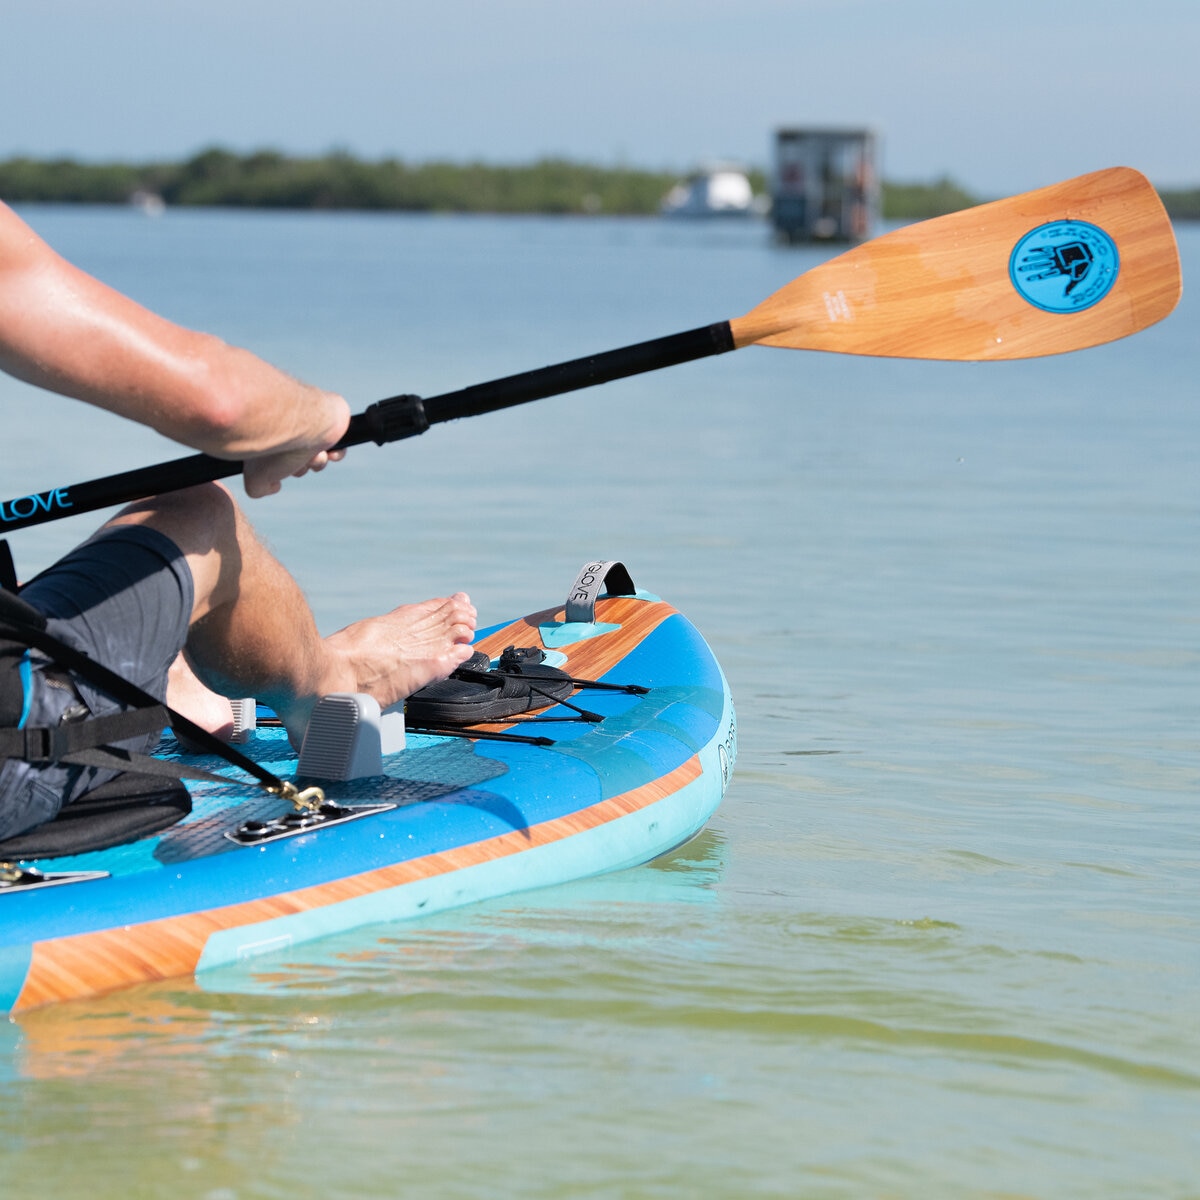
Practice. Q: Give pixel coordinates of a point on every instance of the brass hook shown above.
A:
(307, 801)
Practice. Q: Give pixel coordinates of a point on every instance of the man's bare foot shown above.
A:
(390, 656)
(393, 655)
(187, 695)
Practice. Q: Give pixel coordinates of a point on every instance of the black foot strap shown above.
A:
(475, 694)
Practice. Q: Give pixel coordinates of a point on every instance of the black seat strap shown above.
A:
(41, 744)
(8, 569)
(20, 619)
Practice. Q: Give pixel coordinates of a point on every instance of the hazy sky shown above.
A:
(1002, 96)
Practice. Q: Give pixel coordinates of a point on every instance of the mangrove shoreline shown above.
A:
(268, 179)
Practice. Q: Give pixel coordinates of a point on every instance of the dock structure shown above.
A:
(825, 187)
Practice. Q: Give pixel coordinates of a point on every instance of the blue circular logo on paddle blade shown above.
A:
(1065, 266)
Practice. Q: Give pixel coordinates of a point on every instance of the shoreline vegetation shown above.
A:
(268, 179)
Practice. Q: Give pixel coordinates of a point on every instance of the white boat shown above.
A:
(721, 192)
(150, 203)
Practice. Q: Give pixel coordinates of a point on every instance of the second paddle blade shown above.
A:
(1073, 265)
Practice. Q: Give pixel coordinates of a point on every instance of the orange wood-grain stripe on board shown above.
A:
(90, 963)
(593, 657)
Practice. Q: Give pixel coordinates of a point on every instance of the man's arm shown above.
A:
(65, 331)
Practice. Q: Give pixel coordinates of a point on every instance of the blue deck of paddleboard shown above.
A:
(449, 793)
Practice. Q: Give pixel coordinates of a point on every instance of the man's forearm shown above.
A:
(63, 330)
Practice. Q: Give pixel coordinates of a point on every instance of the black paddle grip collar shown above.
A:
(390, 421)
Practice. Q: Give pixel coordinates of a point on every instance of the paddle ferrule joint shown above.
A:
(394, 419)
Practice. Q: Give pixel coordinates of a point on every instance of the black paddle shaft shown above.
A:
(383, 422)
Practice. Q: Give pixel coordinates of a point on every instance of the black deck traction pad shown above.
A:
(475, 694)
(122, 810)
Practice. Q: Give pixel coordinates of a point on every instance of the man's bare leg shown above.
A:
(200, 704)
(253, 634)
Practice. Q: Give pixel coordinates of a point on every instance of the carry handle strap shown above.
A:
(591, 581)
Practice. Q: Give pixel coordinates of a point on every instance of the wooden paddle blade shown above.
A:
(1067, 266)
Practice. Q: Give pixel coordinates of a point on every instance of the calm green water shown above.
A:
(943, 937)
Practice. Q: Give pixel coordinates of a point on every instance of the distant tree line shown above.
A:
(267, 179)
(1182, 204)
(919, 201)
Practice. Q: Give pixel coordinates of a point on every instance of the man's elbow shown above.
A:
(218, 414)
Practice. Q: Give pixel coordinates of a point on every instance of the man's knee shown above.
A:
(204, 522)
(197, 519)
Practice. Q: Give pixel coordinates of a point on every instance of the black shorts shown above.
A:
(125, 598)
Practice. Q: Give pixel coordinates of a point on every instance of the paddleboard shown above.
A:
(454, 817)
